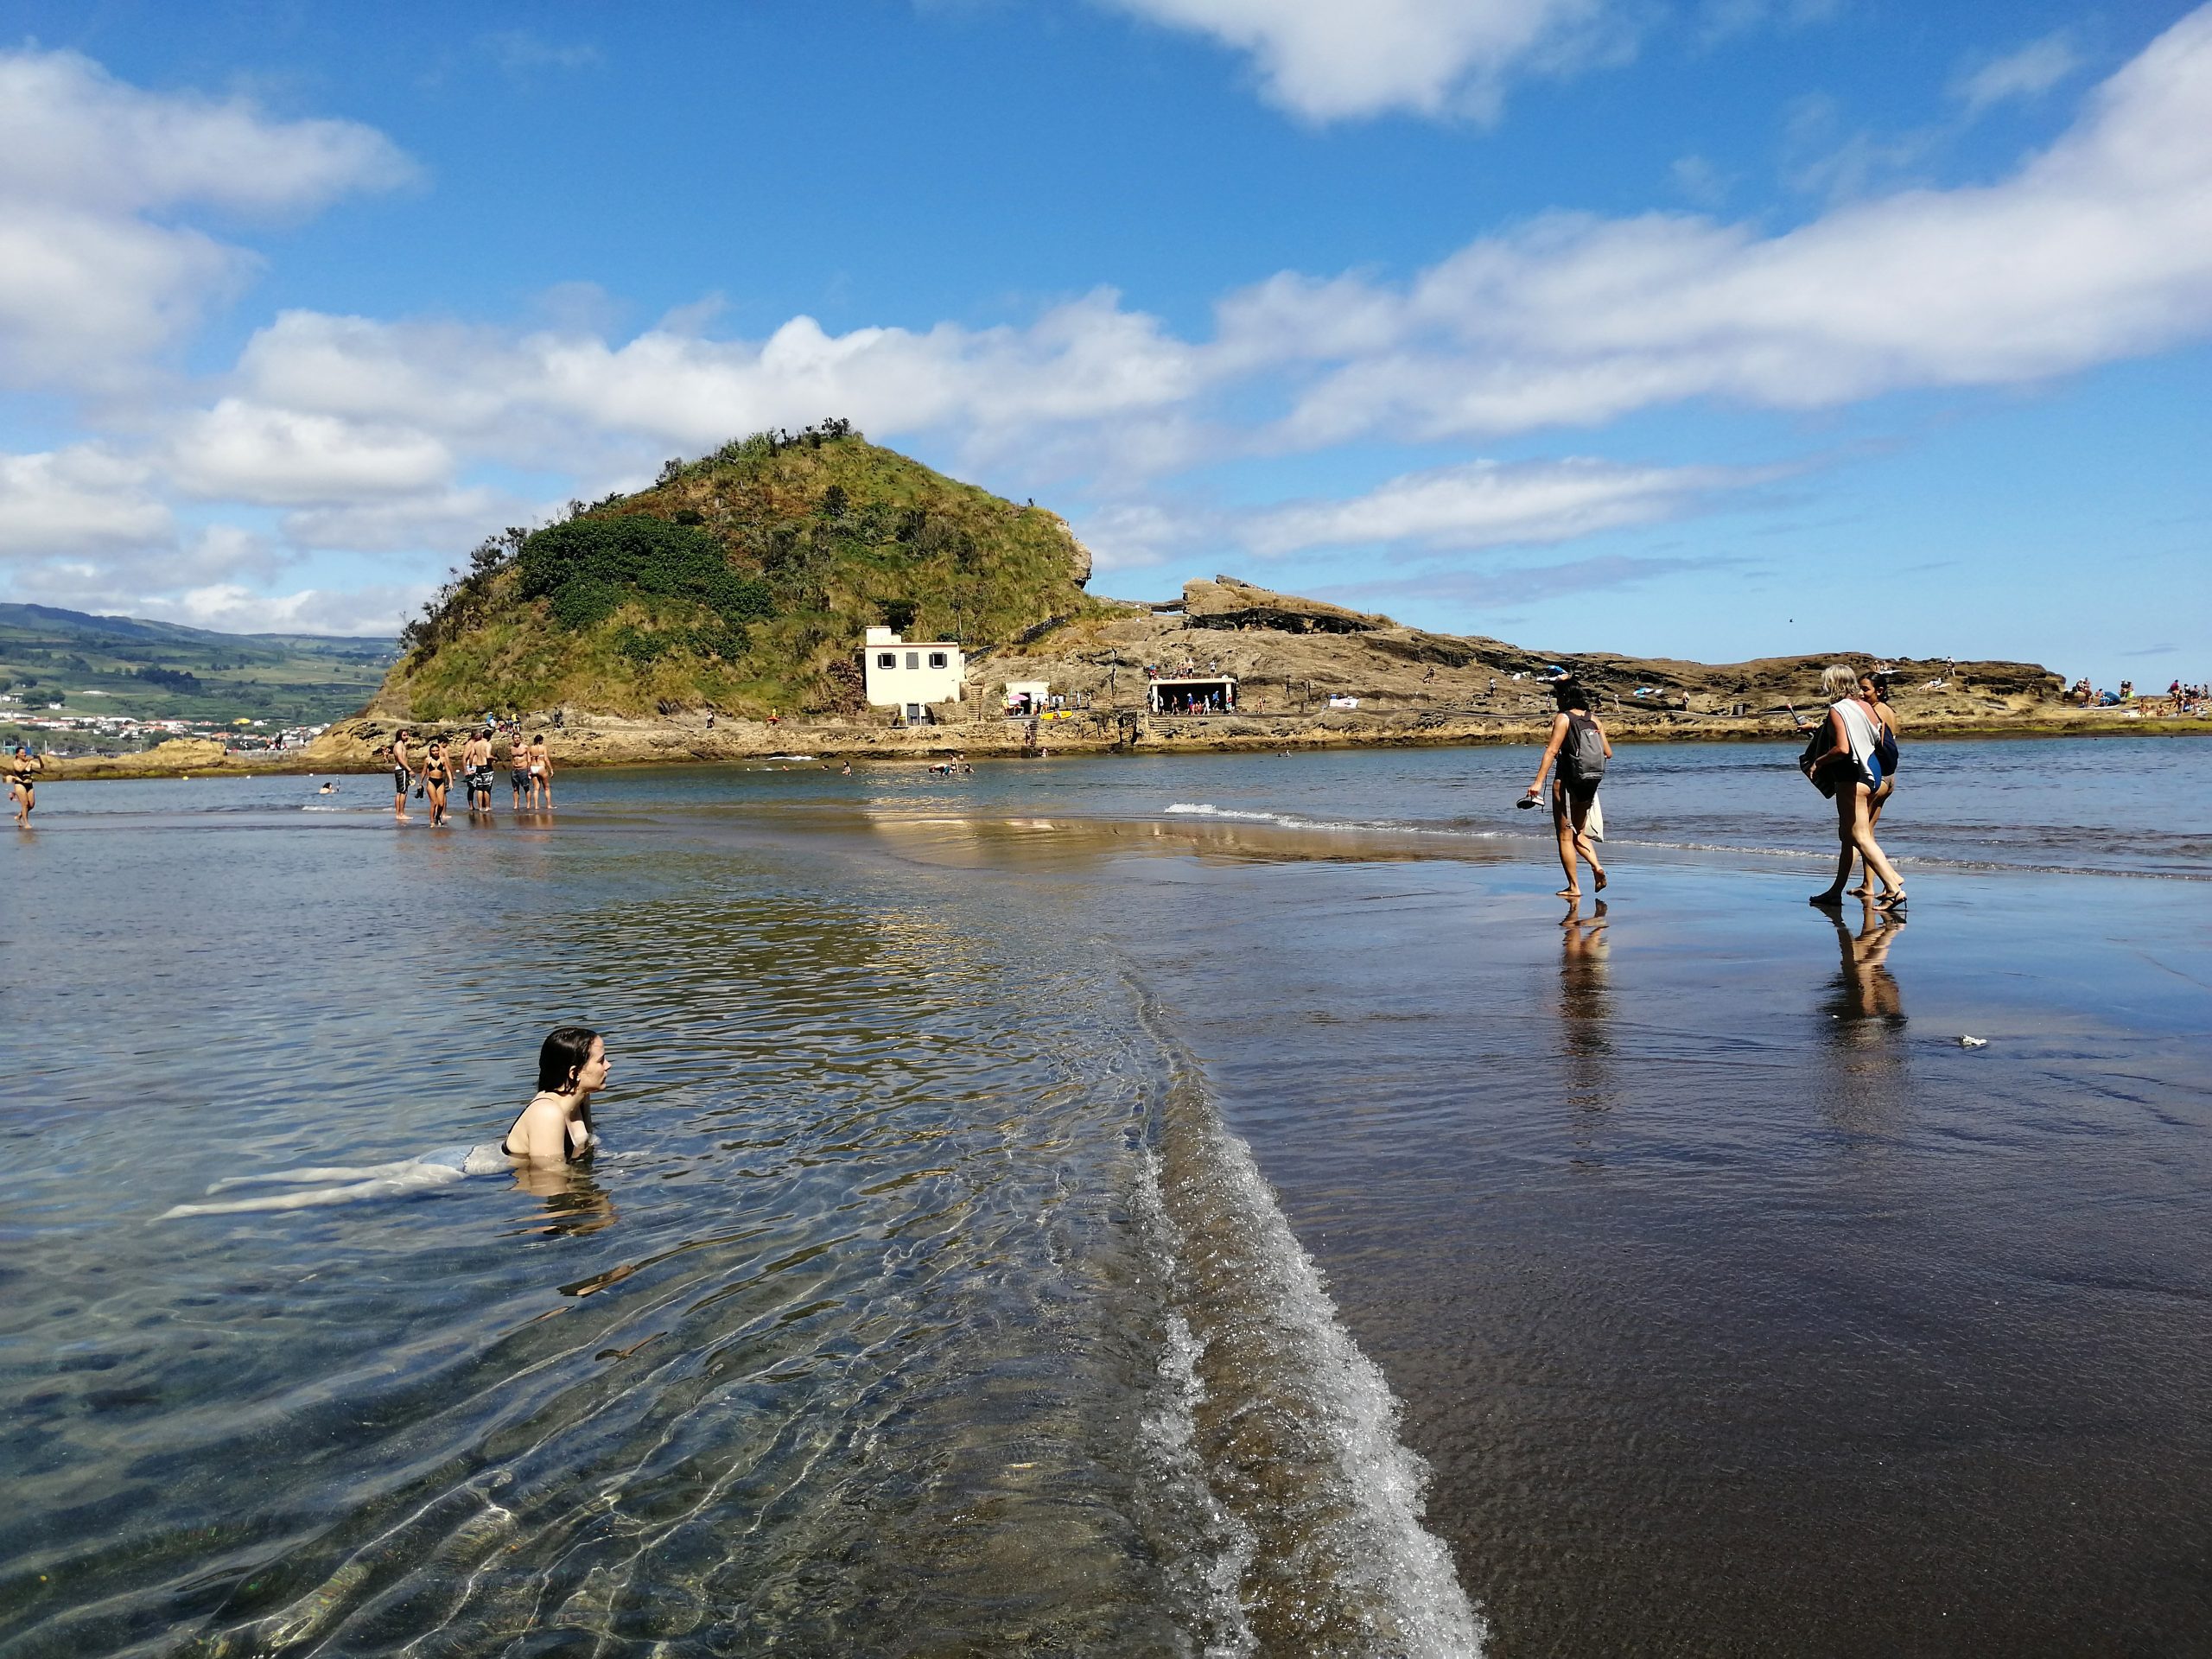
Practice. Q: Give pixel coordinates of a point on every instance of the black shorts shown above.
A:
(518, 778)
(400, 779)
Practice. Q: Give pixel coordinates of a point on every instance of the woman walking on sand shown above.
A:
(1885, 750)
(1850, 769)
(1579, 743)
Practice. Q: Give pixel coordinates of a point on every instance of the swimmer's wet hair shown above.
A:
(563, 1057)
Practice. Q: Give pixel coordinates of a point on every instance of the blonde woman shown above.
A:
(1850, 770)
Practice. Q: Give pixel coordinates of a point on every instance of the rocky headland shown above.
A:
(719, 617)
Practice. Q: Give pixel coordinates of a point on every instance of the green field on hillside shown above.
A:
(102, 665)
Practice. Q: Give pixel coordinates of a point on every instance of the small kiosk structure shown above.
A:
(909, 675)
(1024, 698)
(1204, 694)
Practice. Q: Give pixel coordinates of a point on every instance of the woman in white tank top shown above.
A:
(1853, 765)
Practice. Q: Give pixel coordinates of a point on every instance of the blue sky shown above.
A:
(1713, 328)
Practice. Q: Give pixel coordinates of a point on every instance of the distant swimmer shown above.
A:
(24, 768)
(1579, 743)
(402, 773)
(553, 1131)
(327, 789)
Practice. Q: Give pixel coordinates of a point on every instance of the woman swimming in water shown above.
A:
(555, 1127)
(553, 1130)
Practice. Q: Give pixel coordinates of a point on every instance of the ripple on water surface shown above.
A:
(920, 1302)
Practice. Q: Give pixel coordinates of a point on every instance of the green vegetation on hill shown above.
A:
(742, 581)
(100, 666)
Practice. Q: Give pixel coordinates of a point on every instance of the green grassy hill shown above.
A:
(742, 582)
(96, 666)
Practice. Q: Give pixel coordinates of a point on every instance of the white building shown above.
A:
(911, 675)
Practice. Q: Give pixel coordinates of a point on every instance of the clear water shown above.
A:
(1142, 1205)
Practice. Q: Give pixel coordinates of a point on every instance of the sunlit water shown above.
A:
(1204, 1205)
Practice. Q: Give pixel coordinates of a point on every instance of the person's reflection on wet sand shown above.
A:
(1866, 1001)
(1867, 1091)
(1586, 1010)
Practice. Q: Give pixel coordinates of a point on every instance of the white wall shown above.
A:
(922, 671)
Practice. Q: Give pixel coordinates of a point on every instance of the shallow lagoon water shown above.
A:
(1033, 1200)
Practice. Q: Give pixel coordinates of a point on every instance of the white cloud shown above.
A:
(2100, 248)
(1327, 60)
(1493, 504)
(231, 607)
(1717, 20)
(77, 500)
(519, 52)
(2032, 69)
(1487, 589)
(240, 451)
(89, 285)
(567, 393)
(449, 519)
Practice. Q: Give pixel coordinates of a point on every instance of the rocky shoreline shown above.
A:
(580, 740)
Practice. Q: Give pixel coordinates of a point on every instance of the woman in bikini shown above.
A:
(436, 777)
(24, 768)
(555, 1127)
(541, 772)
(1852, 767)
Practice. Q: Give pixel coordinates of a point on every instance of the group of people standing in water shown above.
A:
(433, 774)
(1851, 758)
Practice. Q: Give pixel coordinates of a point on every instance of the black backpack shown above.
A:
(1582, 757)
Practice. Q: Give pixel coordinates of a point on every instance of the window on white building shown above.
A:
(936, 660)
(886, 659)
(913, 659)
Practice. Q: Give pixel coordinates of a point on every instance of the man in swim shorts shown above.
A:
(403, 774)
(518, 769)
(476, 760)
